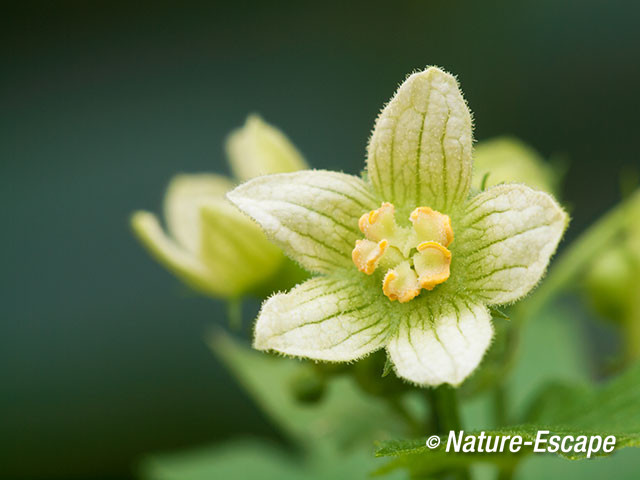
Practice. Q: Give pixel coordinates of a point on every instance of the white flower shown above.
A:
(406, 260)
(210, 245)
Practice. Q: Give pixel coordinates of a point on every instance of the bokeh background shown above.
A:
(102, 358)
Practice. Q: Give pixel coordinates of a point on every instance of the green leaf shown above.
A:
(563, 359)
(254, 459)
(625, 466)
(343, 417)
(250, 459)
(613, 409)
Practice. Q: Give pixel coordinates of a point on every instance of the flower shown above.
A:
(406, 259)
(210, 245)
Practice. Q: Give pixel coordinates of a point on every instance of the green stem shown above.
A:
(445, 405)
(572, 262)
(445, 416)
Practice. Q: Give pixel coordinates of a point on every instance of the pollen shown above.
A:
(432, 264)
(401, 283)
(367, 254)
(379, 224)
(430, 225)
(412, 258)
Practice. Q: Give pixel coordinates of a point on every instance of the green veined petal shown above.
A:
(185, 194)
(441, 344)
(507, 237)
(312, 215)
(183, 263)
(420, 150)
(326, 318)
(234, 247)
(260, 149)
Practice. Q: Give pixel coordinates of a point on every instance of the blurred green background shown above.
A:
(102, 357)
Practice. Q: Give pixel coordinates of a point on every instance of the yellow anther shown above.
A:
(430, 266)
(367, 254)
(378, 224)
(432, 226)
(432, 263)
(401, 283)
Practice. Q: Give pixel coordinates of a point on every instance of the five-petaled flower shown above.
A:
(408, 259)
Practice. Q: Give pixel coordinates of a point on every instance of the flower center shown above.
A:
(414, 257)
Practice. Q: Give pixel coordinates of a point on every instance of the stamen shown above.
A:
(401, 283)
(432, 226)
(379, 224)
(432, 263)
(387, 245)
(367, 254)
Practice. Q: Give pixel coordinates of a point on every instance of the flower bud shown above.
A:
(610, 282)
(507, 160)
(308, 384)
(613, 278)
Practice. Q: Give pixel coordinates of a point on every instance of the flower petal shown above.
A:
(441, 344)
(420, 150)
(326, 318)
(184, 264)
(185, 194)
(260, 149)
(234, 248)
(312, 215)
(508, 235)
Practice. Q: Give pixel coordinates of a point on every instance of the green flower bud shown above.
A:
(308, 385)
(613, 279)
(508, 160)
(258, 149)
(609, 282)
